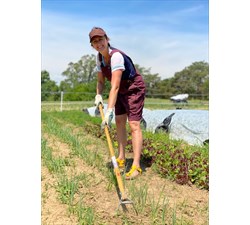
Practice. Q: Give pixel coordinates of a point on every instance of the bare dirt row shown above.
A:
(188, 202)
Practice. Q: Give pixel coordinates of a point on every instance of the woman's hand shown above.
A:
(107, 118)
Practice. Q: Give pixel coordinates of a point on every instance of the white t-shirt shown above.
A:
(117, 62)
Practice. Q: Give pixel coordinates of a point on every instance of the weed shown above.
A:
(67, 189)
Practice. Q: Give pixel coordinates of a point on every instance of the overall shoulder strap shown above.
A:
(115, 50)
(124, 55)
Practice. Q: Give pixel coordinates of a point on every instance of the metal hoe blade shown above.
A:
(124, 202)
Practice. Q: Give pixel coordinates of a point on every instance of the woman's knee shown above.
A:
(134, 125)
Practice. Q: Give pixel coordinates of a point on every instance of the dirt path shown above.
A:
(188, 202)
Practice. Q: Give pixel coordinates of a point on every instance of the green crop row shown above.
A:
(62, 126)
(172, 159)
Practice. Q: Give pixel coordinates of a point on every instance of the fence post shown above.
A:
(61, 100)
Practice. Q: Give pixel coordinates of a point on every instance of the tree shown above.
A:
(165, 88)
(80, 82)
(80, 72)
(192, 80)
(151, 80)
(49, 88)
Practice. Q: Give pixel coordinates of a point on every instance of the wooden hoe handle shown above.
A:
(113, 158)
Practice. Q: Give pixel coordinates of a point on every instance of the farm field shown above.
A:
(79, 187)
(150, 103)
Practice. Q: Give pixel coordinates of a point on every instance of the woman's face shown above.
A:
(100, 44)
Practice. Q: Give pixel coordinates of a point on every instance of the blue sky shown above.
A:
(165, 35)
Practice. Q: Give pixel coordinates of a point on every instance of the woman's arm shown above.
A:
(100, 83)
(115, 85)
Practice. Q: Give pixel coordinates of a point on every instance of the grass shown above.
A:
(150, 103)
(156, 103)
(65, 128)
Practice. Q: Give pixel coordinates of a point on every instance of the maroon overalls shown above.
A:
(131, 94)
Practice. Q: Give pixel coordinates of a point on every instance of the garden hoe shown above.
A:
(121, 192)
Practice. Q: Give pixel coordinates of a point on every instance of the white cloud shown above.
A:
(149, 43)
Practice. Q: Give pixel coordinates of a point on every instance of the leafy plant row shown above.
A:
(173, 159)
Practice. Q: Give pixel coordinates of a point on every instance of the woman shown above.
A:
(126, 95)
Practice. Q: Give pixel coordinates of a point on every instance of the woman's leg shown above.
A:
(137, 140)
(121, 134)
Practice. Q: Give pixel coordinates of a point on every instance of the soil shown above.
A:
(188, 202)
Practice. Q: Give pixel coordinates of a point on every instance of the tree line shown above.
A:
(80, 82)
